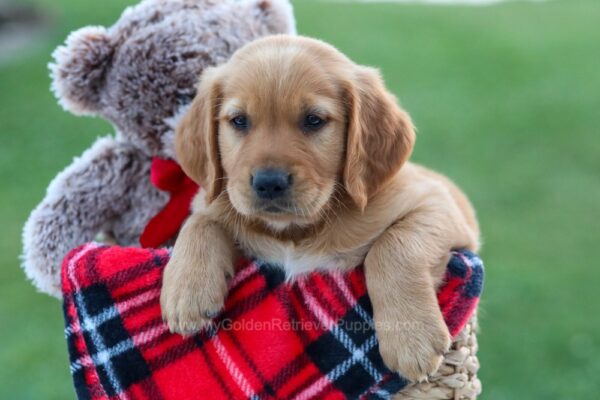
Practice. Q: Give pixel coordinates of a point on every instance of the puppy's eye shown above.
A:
(240, 123)
(312, 123)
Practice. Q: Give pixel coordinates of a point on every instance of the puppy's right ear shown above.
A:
(79, 69)
(196, 138)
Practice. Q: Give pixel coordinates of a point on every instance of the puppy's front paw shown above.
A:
(415, 349)
(189, 302)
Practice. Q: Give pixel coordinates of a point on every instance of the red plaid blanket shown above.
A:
(312, 338)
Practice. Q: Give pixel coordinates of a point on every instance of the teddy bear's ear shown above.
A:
(79, 69)
(277, 14)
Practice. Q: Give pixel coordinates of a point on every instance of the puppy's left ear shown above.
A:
(380, 138)
(196, 137)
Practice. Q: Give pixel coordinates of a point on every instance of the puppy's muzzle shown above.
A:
(271, 184)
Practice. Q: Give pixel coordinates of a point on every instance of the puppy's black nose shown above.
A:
(271, 183)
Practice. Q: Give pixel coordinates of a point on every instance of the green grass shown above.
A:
(506, 101)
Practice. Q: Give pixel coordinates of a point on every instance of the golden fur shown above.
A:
(354, 196)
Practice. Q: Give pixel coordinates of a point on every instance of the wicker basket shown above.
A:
(457, 377)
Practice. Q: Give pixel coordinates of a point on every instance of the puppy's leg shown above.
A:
(195, 279)
(402, 269)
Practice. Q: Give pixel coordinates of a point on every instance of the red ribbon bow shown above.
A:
(168, 176)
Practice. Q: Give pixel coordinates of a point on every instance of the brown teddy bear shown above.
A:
(138, 74)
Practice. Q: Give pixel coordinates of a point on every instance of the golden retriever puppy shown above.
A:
(302, 159)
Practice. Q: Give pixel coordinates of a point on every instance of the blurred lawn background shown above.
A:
(507, 102)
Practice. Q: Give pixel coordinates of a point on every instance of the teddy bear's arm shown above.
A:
(87, 198)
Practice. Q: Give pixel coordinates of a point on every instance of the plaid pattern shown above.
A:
(312, 338)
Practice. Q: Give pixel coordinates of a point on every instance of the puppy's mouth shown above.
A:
(290, 208)
(278, 208)
(274, 210)
(285, 209)
(288, 211)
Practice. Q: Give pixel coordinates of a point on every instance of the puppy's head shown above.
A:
(288, 124)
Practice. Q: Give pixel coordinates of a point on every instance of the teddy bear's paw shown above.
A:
(415, 350)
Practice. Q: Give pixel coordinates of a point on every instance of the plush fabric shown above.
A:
(310, 338)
